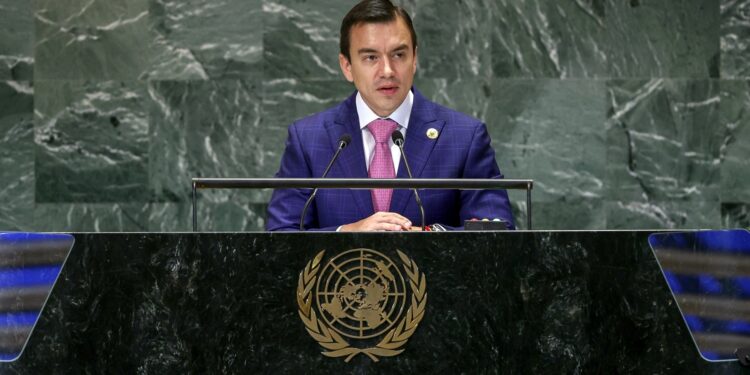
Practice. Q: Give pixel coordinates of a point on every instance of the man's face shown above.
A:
(383, 63)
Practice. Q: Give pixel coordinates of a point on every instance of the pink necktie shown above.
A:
(382, 161)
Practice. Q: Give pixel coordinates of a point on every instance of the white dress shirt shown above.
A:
(400, 116)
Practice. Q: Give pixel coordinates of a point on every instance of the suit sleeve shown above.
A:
(480, 163)
(285, 207)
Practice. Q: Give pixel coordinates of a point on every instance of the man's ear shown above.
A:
(346, 67)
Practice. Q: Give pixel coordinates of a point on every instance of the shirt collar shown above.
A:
(400, 115)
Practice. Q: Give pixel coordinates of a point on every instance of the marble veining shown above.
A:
(628, 114)
(735, 117)
(651, 122)
(735, 38)
(199, 40)
(16, 155)
(17, 43)
(203, 129)
(91, 142)
(605, 39)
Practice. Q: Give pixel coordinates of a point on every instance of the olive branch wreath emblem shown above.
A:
(335, 345)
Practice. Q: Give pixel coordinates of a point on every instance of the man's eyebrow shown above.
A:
(371, 50)
(366, 50)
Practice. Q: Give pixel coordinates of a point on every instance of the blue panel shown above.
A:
(709, 285)
(708, 289)
(16, 275)
(8, 357)
(737, 287)
(736, 326)
(706, 325)
(716, 241)
(29, 276)
(712, 356)
(743, 284)
(674, 281)
(694, 323)
(30, 237)
(19, 319)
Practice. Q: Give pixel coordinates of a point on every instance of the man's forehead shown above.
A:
(372, 32)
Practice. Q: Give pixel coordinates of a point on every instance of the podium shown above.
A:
(510, 302)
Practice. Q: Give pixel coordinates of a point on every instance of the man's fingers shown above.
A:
(395, 224)
(384, 214)
(379, 221)
(388, 227)
(393, 218)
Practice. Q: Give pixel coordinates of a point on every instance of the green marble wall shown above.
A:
(627, 113)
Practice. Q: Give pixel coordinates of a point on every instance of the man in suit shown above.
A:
(379, 55)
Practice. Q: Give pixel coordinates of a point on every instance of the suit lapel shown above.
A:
(417, 146)
(351, 162)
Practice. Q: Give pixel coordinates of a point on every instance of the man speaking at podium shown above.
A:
(379, 55)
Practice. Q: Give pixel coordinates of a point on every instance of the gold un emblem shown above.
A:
(355, 303)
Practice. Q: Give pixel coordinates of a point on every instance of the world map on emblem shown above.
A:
(361, 293)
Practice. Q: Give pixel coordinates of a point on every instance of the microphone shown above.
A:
(344, 141)
(398, 140)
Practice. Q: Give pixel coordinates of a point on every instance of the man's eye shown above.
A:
(398, 55)
(371, 57)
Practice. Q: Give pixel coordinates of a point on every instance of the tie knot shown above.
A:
(382, 129)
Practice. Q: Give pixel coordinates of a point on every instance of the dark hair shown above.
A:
(372, 11)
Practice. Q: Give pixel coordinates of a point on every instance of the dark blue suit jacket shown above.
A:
(462, 150)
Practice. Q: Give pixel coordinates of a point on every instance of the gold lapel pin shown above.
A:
(432, 133)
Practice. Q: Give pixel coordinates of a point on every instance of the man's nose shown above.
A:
(387, 68)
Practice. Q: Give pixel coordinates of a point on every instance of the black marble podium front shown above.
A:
(515, 302)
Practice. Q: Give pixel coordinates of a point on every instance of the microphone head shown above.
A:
(397, 137)
(344, 140)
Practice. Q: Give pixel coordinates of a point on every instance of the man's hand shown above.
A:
(380, 221)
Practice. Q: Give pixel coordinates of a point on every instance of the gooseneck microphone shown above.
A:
(398, 140)
(344, 141)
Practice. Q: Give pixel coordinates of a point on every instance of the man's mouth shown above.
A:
(388, 90)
